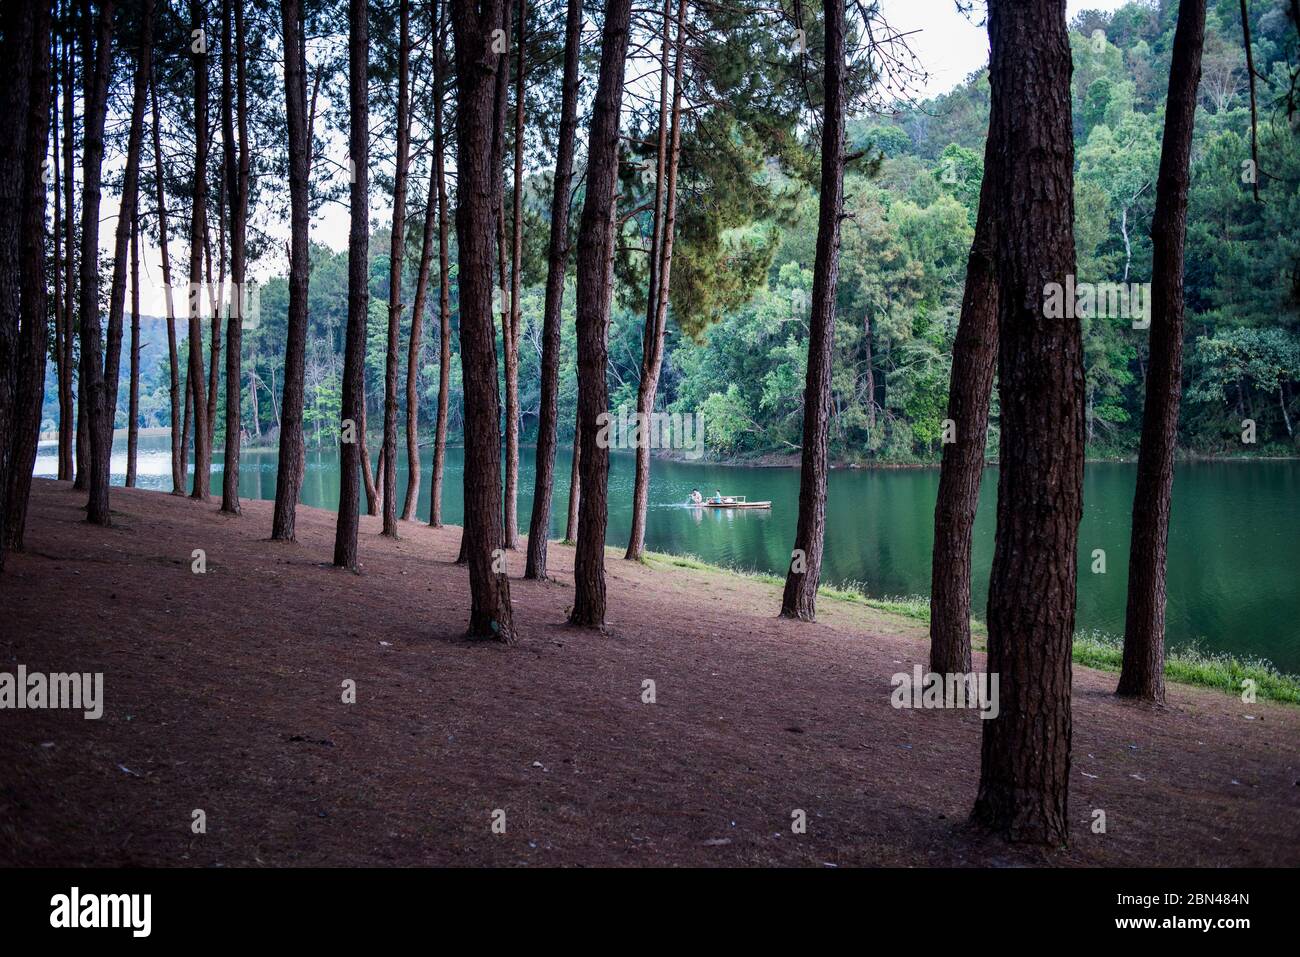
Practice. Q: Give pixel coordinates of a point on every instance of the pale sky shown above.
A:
(949, 45)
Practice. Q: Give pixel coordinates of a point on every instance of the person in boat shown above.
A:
(696, 497)
(717, 497)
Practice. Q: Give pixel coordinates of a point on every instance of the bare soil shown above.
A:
(224, 693)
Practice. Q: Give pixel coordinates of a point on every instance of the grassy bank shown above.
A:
(1091, 649)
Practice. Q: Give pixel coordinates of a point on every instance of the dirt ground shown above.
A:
(223, 692)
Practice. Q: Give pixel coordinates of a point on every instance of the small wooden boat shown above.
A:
(733, 501)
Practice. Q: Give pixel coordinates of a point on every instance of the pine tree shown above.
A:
(1025, 754)
(596, 240)
(345, 538)
(1142, 674)
(539, 527)
(288, 479)
(479, 63)
(800, 597)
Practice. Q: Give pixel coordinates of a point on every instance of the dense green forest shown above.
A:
(736, 346)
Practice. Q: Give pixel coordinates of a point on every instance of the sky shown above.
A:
(949, 45)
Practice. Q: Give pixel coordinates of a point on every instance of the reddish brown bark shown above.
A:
(177, 441)
(67, 404)
(500, 103)
(800, 597)
(97, 57)
(215, 300)
(575, 485)
(81, 441)
(17, 25)
(421, 291)
(652, 345)
(1142, 674)
(187, 427)
(367, 471)
(238, 163)
(60, 367)
(478, 67)
(1025, 753)
(198, 236)
(539, 527)
(289, 470)
(133, 402)
(595, 288)
(870, 376)
(444, 289)
(33, 334)
(354, 359)
(640, 488)
(511, 517)
(396, 258)
(974, 355)
(122, 237)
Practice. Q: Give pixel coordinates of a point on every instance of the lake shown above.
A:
(1234, 539)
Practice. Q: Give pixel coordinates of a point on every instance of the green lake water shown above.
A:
(1234, 539)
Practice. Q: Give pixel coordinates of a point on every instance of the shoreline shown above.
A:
(766, 460)
(1093, 649)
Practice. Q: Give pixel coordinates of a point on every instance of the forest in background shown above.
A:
(736, 345)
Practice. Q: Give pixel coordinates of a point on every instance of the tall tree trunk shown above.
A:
(396, 259)
(412, 499)
(367, 472)
(575, 484)
(97, 61)
(652, 345)
(539, 527)
(133, 406)
(81, 475)
(77, 11)
(500, 102)
(477, 68)
(238, 173)
(33, 334)
(421, 291)
(636, 540)
(198, 235)
(18, 24)
(58, 252)
(800, 597)
(79, 442)
(215, 300)
(1142, 674)
(187, 425)
(974, 353)
(122, 239)
(444, 284)
(289, 471)
(253, 380)
(177, 445)
(661, 169)
(1025, 755)
(516, 263)
(871, 373)
(595, 289)
(67, 405)
(354, 360)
